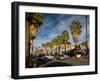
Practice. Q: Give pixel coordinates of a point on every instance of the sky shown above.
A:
(54, 24)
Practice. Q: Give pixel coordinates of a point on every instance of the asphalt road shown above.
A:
(66, 62)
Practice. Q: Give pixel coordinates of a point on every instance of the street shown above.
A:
(66, 62)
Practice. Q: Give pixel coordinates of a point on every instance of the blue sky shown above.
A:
(54, 24)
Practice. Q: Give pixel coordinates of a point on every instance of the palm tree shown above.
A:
(33, 22)
(44, 46)
(69, 44)
(59, 42)
(64, 38)
(55, 43)
(76, 30)
(48, 46)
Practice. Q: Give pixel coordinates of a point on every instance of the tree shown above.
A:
(64, 38)
(69, 44)
(48, 46)
(76, 30)
(59, 42)
(55, 43)
(33, 22)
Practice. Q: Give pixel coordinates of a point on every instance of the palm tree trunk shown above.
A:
(59, 49)
(65, 47)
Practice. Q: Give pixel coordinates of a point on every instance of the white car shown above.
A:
(50, 57)
(62, 58)
(78, 55)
